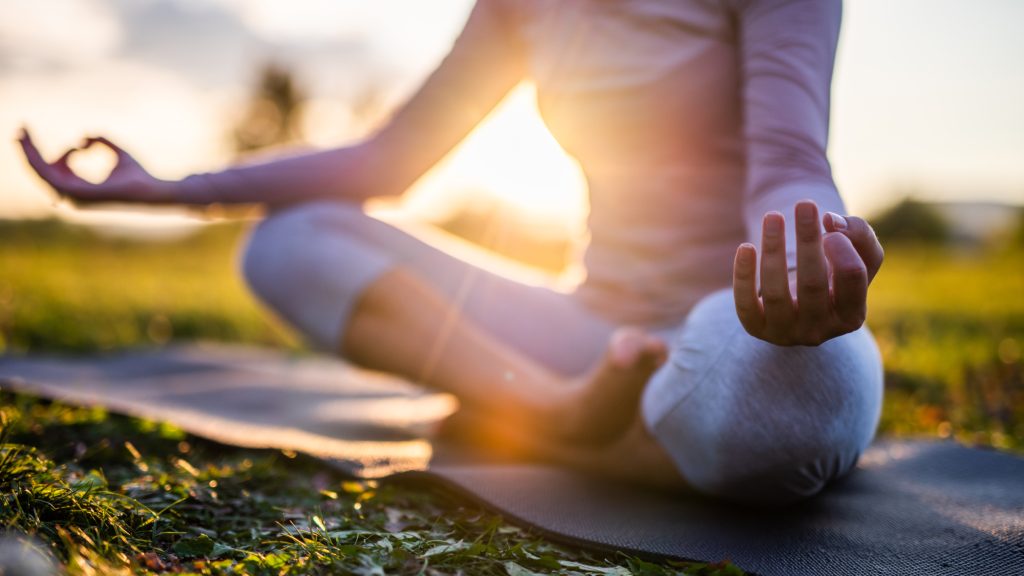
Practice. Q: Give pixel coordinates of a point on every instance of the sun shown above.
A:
(512, 157)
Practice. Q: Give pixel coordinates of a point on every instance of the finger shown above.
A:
(28, 146)
(779, 314)
(58, 175)
(849, 280)
(812, 295)
(744, 288)
(62, 162)
(35, 159)
(863, 238)
(89, 141)
(64, 157)
(62, 173)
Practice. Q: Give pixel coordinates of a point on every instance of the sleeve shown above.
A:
(787, 51)
(485, 62)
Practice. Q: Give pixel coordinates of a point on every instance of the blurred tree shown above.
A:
(274, 115)
(1018, 236)
(912, 221)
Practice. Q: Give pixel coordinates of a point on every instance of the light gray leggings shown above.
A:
(742, 419)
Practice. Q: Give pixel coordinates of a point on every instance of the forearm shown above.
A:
(346, 173)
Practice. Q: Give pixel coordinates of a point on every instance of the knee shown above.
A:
(759, 423)
(278, 248)
(265, 252)
(310, 263)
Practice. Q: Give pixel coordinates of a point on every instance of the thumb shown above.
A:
(90, 140)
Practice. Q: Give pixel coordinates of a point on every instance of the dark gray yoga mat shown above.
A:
(909, 508)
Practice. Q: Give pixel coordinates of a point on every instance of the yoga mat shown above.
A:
(910, 507)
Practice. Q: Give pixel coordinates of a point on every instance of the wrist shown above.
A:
(165, 191)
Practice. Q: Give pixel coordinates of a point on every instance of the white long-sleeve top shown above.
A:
(690, 119)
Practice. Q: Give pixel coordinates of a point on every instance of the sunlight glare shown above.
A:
(512, 157)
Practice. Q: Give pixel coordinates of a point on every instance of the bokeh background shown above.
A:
(927, 142)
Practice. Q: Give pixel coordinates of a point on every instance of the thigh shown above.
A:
(547, 325)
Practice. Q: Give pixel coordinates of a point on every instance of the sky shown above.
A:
(926, 98)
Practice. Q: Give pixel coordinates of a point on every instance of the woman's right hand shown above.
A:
(127, 182)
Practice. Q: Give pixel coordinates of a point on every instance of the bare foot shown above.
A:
(598, 407)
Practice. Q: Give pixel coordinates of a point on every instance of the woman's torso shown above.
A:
(646, 95)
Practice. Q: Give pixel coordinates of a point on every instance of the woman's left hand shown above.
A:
(831, 278)
(127, 182)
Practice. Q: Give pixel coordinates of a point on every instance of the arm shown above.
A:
(787, 50)
(485, 62)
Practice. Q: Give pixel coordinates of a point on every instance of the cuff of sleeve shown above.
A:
(782, 199)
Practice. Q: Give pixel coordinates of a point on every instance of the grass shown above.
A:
(106, 493)
(65, 289)
(950, 326)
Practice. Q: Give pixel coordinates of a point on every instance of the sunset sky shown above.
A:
(927, 93)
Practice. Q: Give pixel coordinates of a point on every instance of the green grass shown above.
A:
(108, 493)
(950, 326)
(65, 289)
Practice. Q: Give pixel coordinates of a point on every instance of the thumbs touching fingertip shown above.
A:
(835, 222)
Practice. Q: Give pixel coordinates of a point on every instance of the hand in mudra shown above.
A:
(831, 278)
(127, 182)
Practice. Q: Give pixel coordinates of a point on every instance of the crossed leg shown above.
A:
(523, 355)
(729, 415)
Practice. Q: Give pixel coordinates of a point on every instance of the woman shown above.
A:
(700, 127)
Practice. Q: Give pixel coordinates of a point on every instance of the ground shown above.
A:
(105, 493)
